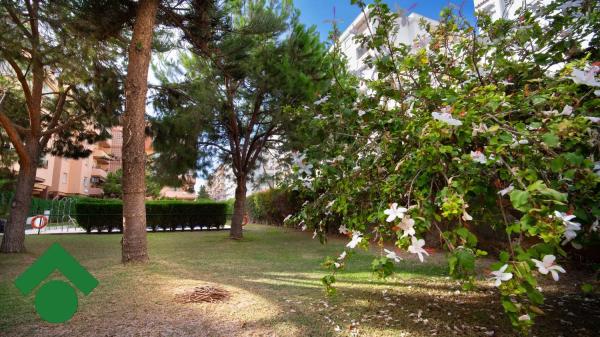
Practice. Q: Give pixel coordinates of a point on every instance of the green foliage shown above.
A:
(234, 105)
(93, 83)
(271, 206)
(108, 214)
(113, 186)
(203, 193)
(471, 129)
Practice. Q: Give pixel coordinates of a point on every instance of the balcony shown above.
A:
(99, 172)
(95, 191)
(101, 157)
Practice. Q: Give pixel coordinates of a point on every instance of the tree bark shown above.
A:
(13, 240)
(134, 157)
(239, 207)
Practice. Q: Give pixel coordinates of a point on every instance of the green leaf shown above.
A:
(503, 256)
(509, 305)
(551, 139)
(520, 200)
(587, 288)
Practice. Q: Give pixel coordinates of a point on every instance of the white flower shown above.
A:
(343, 229)
(571, 227)
(392, 255)
(466, 216)
(287, 217)
(506, 83)
(547, 266)
(307, 183)
(597, 92)
(361, 113)
(337, 264)
(585, 77)
(342, 256)
(304, 227)
(322, 100)
(306, 169)
(329, 204)
(408, 226)
(478, 157)
(593, 119)
(516, 142)
(550, 113)
(524, 318)
(595, 226)
(314, 234)
(506, 190)
(421, 42)
(416, 247)
(356, 239)
(409, 112)
(500, 275)
(298, 158)
(481, 128)
(394, 212)
(445, 117)
(567, 110)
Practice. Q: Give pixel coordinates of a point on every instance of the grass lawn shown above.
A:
(273, 276)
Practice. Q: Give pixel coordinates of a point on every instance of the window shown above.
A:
(85, 182)
(63, 180)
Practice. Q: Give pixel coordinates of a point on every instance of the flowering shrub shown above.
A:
(469, 127)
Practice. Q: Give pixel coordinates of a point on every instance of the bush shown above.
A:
(108, 215)
(271, 206)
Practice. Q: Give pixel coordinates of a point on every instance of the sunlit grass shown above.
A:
(274, 275)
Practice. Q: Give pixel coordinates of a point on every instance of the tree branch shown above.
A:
(21, 78)
(16, 20)
(63, 126)
(216, 145)
(13, 134)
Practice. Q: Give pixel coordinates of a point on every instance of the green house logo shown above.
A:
(56, 300)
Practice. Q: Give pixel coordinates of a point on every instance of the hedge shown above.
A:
(107, 215)
(272, 206)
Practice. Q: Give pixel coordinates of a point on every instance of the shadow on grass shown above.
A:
(272, 269)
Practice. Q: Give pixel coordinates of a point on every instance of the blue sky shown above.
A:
(317, 12)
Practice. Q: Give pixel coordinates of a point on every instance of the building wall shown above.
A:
(116, 149)
(409, 28)
(505, 9)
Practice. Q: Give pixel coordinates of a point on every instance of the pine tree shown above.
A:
(50, 102)
(238, 84)
(134, 157)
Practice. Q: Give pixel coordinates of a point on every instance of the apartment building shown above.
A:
(505, 9)
(59, 177)
(409, 28)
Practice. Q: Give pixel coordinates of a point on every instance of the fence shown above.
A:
(60, 210)
(64, 217)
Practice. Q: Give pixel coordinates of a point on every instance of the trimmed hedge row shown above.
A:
(107, 215)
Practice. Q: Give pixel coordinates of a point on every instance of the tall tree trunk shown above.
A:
(239, 207)
(134, 157)
(13, 240)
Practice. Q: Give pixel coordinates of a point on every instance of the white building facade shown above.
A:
(505, 9)
(409, 29)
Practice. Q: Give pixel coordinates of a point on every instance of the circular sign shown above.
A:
(43, 221)
(56, 301)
